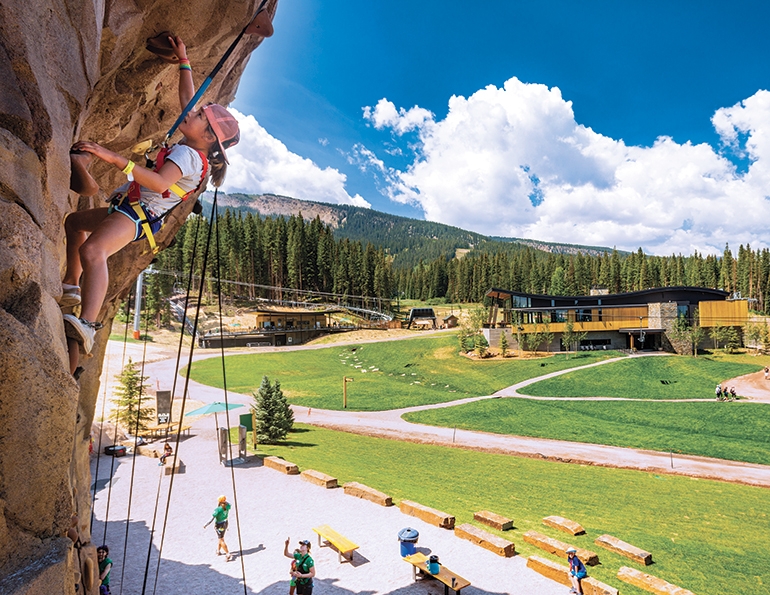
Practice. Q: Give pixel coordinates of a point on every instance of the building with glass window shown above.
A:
(653, 319)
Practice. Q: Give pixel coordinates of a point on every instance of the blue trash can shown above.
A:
(407, 538)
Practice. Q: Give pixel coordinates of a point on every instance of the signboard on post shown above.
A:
(163, 406)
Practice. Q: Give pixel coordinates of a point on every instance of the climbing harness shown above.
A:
(260, 24)
(134, 196)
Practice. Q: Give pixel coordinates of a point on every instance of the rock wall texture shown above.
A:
(74, 69)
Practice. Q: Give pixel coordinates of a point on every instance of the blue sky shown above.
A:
(580, 122)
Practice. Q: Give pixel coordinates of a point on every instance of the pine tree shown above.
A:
(504, 344)
(131, 392)
(274, 417)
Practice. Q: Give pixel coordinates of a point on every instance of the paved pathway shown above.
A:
(271, 507)
(391, 425)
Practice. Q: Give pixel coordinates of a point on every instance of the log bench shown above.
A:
(427, 514)
(559, 548)
(318, 478)
(493, 543)
(342, 544)
(359, 490)
(450, 580)
(650, 583)
(624, 549)
(566, 525)
(495, 521)
(559, 573)
(279, 464)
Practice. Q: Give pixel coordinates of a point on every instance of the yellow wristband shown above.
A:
(129, 169)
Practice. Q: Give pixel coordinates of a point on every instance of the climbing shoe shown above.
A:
(81, 331)
(70, 295)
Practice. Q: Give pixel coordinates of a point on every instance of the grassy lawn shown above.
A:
(648, 378)
(388, 375)
(735, 431)
(706, 536)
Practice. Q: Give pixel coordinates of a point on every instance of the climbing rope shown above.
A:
(215, 219)
(115, 434)
(173, 392)
(184, 399)
(137, 302)
(205, 85)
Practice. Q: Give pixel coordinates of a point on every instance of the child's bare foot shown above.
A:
(80, 180)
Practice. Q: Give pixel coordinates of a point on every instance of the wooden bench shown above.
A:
(451, 580)
(318, 478)
(559, 573)
(427, 514)
(342, 544)
(279, 464)
(566, 525)
(650, 583)
(559, 548)
(624, 549)
(493, 543)
(359, 490)
(495, 521)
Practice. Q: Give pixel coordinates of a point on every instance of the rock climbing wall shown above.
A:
(74, 69)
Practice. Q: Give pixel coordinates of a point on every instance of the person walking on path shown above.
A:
(220, 517)
(577, 571)
(105, 566)
(294, 557)
(304, 569)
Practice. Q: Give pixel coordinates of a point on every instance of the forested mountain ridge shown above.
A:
(408, 240)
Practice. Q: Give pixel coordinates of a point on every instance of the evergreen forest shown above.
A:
(260, 254)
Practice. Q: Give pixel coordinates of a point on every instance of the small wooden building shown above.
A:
(450, 321)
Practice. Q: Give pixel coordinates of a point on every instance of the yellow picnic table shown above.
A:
(345, 547)
(450, 579)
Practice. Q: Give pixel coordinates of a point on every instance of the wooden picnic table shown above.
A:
(158, 430)
(451, 580)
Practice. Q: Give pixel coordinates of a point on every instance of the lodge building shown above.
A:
(276, 328)
(636, 320)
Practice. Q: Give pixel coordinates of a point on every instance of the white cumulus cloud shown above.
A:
(260, 163)
(513, 161)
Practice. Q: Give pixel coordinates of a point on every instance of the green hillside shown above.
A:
(409, 240)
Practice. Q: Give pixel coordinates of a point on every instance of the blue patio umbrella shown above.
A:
(215, 407)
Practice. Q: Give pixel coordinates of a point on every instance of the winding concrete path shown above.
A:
(390, 424)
